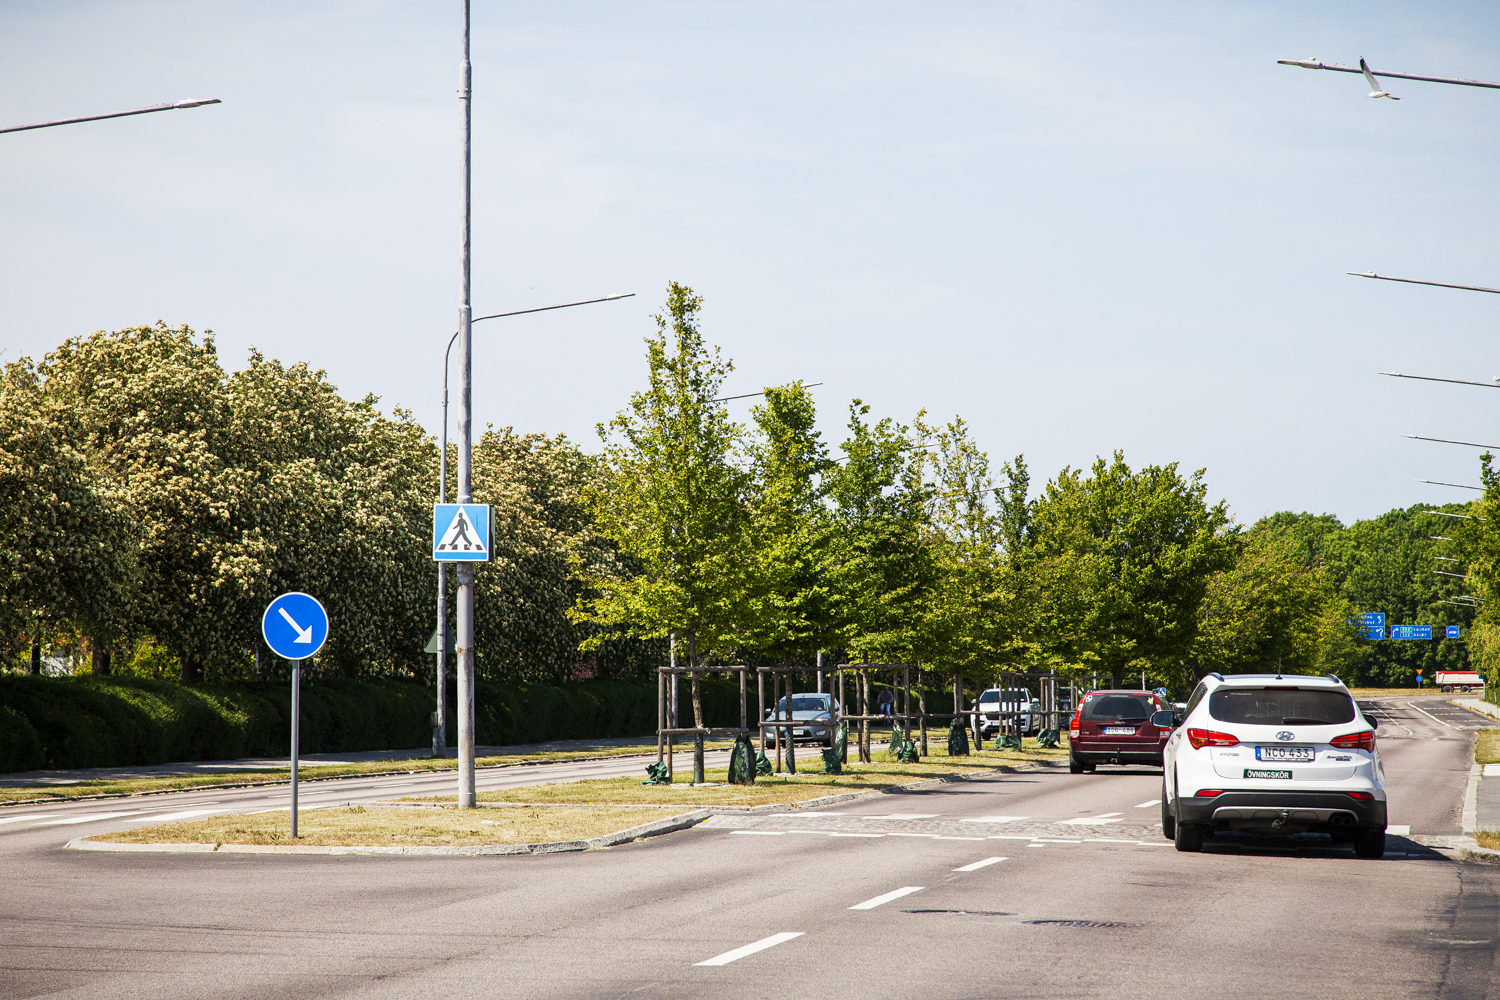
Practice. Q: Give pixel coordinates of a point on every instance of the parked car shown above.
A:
(1276, 755)
(993, 711)
(806, 708)
(1114, 727)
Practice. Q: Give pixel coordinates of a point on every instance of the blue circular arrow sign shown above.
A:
(295, 626)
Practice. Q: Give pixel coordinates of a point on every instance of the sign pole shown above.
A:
(296, 733)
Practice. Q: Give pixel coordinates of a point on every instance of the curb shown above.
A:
(670, 824)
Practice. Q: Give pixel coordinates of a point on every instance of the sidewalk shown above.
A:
(31, 779)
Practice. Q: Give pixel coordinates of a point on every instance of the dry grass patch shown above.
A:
(360, 827)
(1487, 746)
(1488, 838)
(775, 789)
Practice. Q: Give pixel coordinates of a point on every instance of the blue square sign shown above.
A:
(461, 532)
(1372, 624)
(1454, 632)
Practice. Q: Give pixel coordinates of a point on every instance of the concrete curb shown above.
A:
(669, 824)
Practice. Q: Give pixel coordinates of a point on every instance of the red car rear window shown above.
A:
(1119, 707)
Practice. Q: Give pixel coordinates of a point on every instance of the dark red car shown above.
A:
(1114, 727)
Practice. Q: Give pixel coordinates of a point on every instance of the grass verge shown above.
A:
(776, 789)
(142, 786)
(1487, 746)
(1488, 838)
(359, 827)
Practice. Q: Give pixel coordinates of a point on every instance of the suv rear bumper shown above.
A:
(1134, 755)
(1282, 811)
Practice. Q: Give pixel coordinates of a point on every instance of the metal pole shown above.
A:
(296, 733)
(115, 114)
(465, 643)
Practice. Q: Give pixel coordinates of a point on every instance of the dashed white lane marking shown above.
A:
(1491, 771)
(1399, 831)
(753, 947)
(1429, 715)
(903, 816)
(994, 819)
(22, 819)
(185, 814)
(92, 817)
(1148, 805)
(760, 833)
(1038, 844)
(979, 864)
(856, 835)
(881, 900)
(1099, 820)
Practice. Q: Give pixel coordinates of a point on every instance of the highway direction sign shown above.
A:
(461, 532)
(295, 626)
(1411, 631)
(1372, 624)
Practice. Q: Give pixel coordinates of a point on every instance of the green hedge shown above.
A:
(120, 721)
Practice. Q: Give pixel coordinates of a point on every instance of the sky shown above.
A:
(1083, 227)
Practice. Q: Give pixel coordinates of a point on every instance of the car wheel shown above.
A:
(1188, 837)
(1075, 766)
(1369, 844)
(1168, 824)
(1090, 768)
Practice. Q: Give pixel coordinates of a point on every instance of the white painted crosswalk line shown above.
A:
(994, 819)
(22, 819)
(1148, 805)
(1099, 820)
(870, 904)
(752, 948)
(91, 817)
(979, 864)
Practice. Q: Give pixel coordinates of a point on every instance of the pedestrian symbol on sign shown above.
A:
(461, 532)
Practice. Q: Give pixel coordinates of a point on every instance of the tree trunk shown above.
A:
(192, 668)
(36, 657)
(697, 694)
(100, 659)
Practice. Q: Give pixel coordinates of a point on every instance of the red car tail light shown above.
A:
(1076, 722)
(1360, 795)
(1355, 741)
(1201, 738)
(1208, 793)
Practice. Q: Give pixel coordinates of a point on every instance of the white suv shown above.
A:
(1272, 754)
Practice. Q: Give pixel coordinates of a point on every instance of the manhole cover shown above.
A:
(965, 913)
(1078, 923)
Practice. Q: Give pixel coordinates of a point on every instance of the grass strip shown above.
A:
(360, 827)
(1488, 838)
(112, 787)
(776, 789)
(1487, 746)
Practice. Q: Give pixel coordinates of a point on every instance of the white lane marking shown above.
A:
(759, 833)
(752, 948)
(809, 812)
(164, 817)
(927, 836)
(1429, 715)
(1491, 774)
(856, 835)
(881, 900)
(1399, 831)
(994, 819)
(22, 819)
(904, 816)
(1105, 840)
(1099, 820)
(940, 837)
(1148, 805)
(979, 864)
(91, 817)
(1042, 844)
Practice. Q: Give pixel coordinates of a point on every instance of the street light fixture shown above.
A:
(1335, 68)
(440, 719)
(1417, 281)
(116, 114)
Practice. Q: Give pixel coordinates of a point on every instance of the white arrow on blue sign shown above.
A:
(295, 626)
(1411, 631)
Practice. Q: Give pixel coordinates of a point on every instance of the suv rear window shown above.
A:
(1119, 707)
(1281, 706)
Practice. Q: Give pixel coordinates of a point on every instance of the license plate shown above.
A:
(1283, 753)
(1261, 772)
(1119, 730)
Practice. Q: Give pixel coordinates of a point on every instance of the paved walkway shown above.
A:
(1487, 803)
(36, 778)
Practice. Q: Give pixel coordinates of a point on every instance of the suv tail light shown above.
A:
(1208, 793)
(1355, 741)
(1201, 738)
(1360, 795)
(1076, 722)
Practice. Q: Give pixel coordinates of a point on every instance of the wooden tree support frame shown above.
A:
(666, 735)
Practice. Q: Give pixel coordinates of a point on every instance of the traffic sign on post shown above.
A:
(295, 626)
(1372, 624)
(1454, 632)
(461, 532)
(1411, 631)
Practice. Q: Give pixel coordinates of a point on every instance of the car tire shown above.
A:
(1168, 822)
(1090, 768)
(1075, 766)
(1188, 837)
(1369, 844)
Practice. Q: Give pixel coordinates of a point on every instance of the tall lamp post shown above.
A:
(439, 729)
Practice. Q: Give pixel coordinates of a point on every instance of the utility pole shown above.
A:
(464, 645)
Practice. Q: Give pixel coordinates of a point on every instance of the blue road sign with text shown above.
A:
(461, 532)
(1411, 631)
(1372, 624)
(295, 626)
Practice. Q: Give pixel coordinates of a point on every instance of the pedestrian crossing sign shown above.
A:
(461, 532)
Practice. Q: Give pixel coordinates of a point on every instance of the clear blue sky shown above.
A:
(1084, 227)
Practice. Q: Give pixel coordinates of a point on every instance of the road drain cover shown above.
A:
(965, 913)
(1078, 923)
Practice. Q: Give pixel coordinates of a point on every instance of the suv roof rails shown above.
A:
(1336, 679)
(1216, 674)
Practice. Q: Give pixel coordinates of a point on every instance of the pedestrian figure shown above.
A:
(463, 533)
(887, 703)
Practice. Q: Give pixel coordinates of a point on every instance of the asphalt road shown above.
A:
(950, 893)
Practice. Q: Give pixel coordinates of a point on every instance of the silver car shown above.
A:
(807, 710)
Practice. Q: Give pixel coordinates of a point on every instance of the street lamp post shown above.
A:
(175, 106)
(440, 727)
